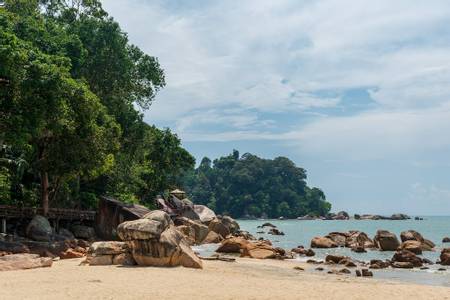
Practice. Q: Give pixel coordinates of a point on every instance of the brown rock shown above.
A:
(100, 260)
(366, 273)
(386, 241)
(412, 245)
(446, 240)
(124, 259)
(334, 258)
(23, 261)
(407, 256)
(212, 238)
(338, 237)
(232, 245)
(445, 257)
(402, 265)
(108, 248)
(71, 253)
(322, 242)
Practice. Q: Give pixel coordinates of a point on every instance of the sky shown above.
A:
(356, 92)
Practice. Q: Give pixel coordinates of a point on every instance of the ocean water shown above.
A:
(301, 232)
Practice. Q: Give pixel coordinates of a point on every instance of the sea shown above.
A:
(300, 232)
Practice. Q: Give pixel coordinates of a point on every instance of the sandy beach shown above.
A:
(243, 279)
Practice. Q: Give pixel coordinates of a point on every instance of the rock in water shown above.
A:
(386, 241)
(39, 229)
(322, 242)
(24, 261)
(446, 240)
(212, 238)
(407, 256)
(445, 257)
(224, 226)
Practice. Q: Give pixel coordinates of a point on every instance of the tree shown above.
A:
(48, 112)
(249, 185)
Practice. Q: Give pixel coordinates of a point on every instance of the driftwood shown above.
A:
(216, 257)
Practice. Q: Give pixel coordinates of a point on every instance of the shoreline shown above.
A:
(243, 279)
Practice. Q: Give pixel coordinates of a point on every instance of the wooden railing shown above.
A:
(8, 212)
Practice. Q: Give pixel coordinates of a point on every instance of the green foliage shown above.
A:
(250, 185)
(69, 83)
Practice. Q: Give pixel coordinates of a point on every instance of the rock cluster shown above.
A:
(356, 240)
(155, 241)
(109, 253)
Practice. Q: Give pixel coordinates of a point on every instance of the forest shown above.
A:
(73, 92)
(249, 186)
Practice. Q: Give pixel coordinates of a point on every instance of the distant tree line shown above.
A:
(251, 186)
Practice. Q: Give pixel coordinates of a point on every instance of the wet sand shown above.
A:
(243, 279)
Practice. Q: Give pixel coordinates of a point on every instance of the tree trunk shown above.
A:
(44, 192)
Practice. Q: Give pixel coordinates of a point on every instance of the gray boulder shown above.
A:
(386, 241)
(205, 214)
(83, 232)
(39, 229)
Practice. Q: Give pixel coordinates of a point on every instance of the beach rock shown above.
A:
(100, 260)
(141, 229)
(386, 241)
(403, 265)
(334, 258)
(39, 229)
(232, 245)
(267, 224)
(345, 271)
(275, 231)
(379, 264)
(298, 268)
(306, 218)
(188, 232)
(218, 227)
(83, 232)
(358, 249)
(427, 261)
(159, 216)
(71, 253)
(212, 238)
(446, 240)
(108, 248)
(303, 251)
(314, 262)
(124, 259)
(411, 235)
(319, 269)
(339, 238)
(23, 261)
(205, 214)
(358, 239)
(168, 250)
(13, 247)
(412, 245)
(48, 249)
(244, 234)
(358, 273)
(261, 250)
(323, 242)
(197, 232)
(366, 273)
(407, 256)
(357, 217)
(445, 257)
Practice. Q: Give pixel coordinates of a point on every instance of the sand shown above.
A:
(243, 279)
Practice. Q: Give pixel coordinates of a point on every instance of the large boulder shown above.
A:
(83, 232)
(386, 241)
(108, 248)
(412, 235)
(407, 256)
(212, 238)
(23, 261)
(412, 245)
(39, 229)
(445, 257)
(223, 226)
(168, 250)
(261, 250)
(357, 239)
(339, 238)
(194, 230)
(232, 245)
(142, 229)
(205, 214)
(323, 242)
(342, 215)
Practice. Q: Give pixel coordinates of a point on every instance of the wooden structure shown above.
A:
(8, 212)
(112, 212)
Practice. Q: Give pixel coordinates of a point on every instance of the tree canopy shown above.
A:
(70, 86)
(252, 186)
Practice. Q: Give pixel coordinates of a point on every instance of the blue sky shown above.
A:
(357, 92)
